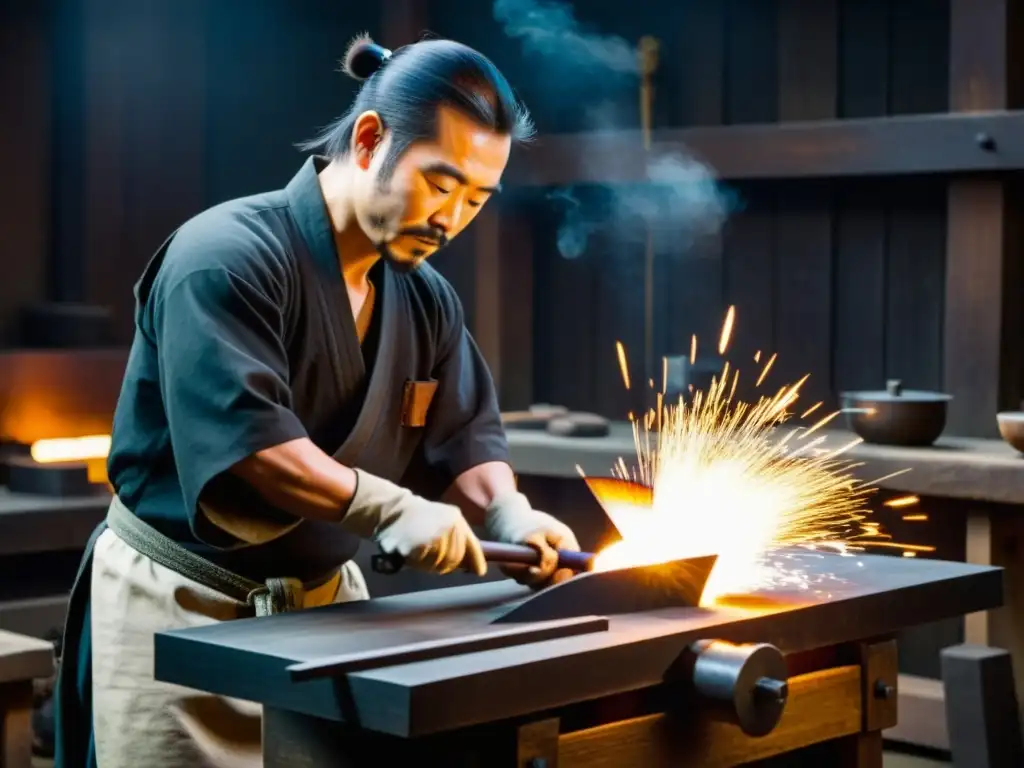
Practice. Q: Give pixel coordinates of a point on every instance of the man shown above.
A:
(299, 380)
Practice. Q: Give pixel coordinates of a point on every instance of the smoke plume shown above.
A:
(580, 69)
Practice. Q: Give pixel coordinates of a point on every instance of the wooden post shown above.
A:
(22, 659)
(982, 713)
(999, 540)
(982, 348)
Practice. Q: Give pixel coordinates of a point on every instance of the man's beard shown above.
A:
(405, 266)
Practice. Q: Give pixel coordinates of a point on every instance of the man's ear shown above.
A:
(367, 134)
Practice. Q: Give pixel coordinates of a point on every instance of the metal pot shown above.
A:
(896, 416)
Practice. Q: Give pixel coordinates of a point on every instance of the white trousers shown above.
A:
(142, 723)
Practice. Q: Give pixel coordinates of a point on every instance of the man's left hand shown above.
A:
(513, 520)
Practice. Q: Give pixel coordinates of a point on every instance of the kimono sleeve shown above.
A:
(463, 428)
(223, 379)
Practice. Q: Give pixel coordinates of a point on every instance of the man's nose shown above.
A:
(447, 217)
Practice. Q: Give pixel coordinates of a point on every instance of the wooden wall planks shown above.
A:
(842, 279)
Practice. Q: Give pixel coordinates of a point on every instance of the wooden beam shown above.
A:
(982, 342)
(821, 706)
(883, 146)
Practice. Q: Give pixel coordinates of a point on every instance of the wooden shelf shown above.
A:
(884, 146)
(955, 467)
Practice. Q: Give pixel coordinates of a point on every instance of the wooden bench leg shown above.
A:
(982, 713)
(16, 735)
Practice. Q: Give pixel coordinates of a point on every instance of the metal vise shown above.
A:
(743, 684)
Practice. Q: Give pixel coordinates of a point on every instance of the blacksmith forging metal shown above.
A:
(303, 388)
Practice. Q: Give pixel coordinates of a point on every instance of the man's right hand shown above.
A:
(429, 535)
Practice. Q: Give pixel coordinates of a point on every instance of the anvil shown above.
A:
(662, 687)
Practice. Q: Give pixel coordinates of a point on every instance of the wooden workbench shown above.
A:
(986, 476)
(579, 696)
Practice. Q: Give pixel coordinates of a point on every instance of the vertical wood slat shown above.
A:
(749, 278)
(982, 350)
(516, 326)
(864, 58)
(751, 63)
(144, 120)
(691, 283)
(404, 21)
(751, 84)
(919, 63)
(488, 293)
(859, 284)
(859, 290)
(616, 314)
(25, 157)
(914, 275)
(915, 260)
(569, 303)
(808, 90)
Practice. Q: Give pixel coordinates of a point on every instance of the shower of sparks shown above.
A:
(623, 367)
(727, 477)
(664, 375)
(757, 356)
(915, 518)
(723, 341)
(693, 349)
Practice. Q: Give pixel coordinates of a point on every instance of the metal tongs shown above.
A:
(495, 552)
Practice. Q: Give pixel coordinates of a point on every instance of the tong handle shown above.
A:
(494, 552)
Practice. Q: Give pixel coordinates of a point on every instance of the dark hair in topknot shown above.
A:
(363, 57)
(407, 87)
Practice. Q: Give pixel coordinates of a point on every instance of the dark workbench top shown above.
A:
(958, 468)
(867, 596)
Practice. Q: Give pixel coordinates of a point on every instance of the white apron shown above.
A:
(142, 723)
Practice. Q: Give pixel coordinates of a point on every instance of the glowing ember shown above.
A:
(70, 449)
(902, 501)
(723, 341)
(717, 479)
(623, 367)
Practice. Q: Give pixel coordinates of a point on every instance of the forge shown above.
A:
(432, 678)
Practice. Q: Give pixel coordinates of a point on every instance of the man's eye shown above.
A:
(474, 203)
(440, 189)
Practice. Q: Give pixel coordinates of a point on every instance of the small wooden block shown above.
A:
(537, 744)
(982, 712)
(524, 420)
(579, 425)
(547, 410)
(881, 675)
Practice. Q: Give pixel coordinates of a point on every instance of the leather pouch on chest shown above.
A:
(416, 399)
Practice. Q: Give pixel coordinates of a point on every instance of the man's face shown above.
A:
(436, 188)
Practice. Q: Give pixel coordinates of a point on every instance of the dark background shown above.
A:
(124, 117)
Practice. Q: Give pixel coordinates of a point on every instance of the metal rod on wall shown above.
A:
(648, 52)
